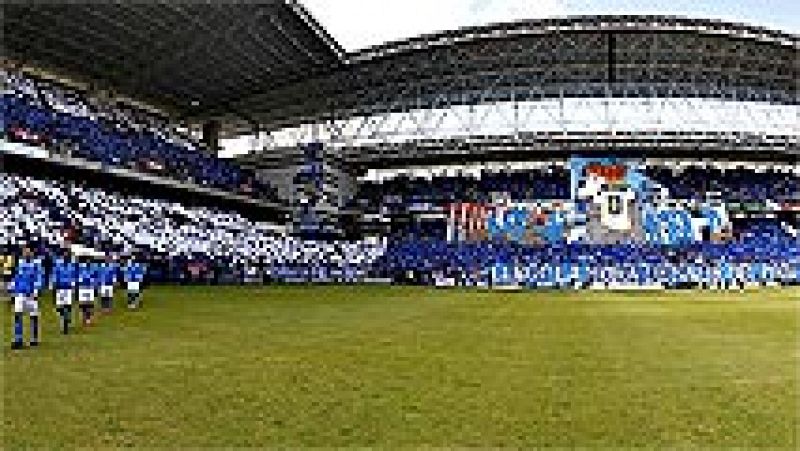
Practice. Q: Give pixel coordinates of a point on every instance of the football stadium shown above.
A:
(219, 227)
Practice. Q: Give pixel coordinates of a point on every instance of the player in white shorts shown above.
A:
(134, 276)
(86, 295)
(86, 290)
(23, 288)
(64, 277)
(107, 277)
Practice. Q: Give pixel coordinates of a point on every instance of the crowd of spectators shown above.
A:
(733, 185)
(205, 245)
(172, 237)
(420, 246)
(737, 185)
(763, 252)
(552, 183)
(67, 121)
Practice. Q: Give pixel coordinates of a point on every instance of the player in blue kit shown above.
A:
(64, 277)
(39, 277)
(107, 277)
(86, 286)
(134, 276)
(24, 292)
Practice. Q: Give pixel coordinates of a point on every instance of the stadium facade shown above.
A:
(642, 150)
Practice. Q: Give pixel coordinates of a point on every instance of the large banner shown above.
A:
(612, 201)
(520, 222)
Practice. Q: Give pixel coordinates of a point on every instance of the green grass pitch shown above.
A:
(410, 366)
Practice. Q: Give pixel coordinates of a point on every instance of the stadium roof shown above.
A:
(582, 56)
(258, 59)
(192, 58)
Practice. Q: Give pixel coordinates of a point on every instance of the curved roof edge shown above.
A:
(605, 23)
(321, 32)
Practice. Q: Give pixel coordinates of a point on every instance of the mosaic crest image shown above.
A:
(221, 227)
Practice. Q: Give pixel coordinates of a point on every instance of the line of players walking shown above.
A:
(85, 275)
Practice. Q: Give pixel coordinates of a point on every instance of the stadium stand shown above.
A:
(692, 180)
(69, 123)
(763, 256)
(203, 244)
(51, 215)
(738, 184)
(543, 184)
(758, 248)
